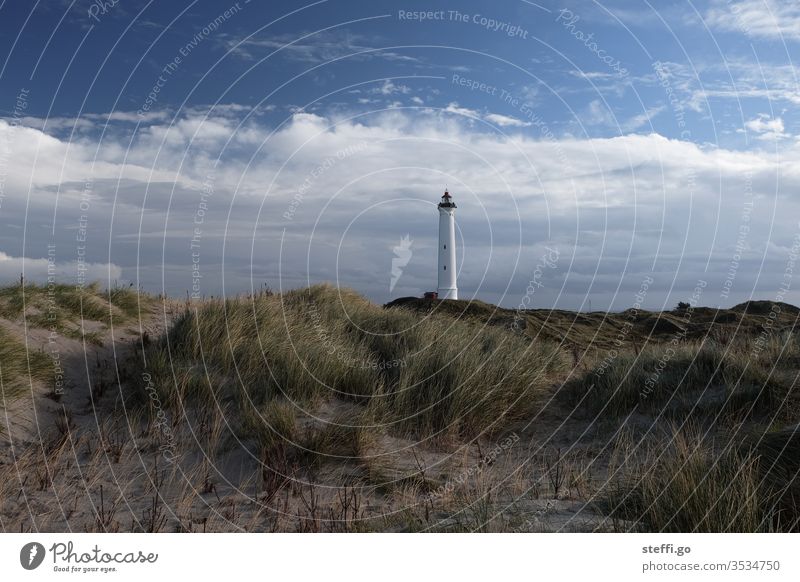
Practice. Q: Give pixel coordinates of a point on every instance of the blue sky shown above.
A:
(223, 146)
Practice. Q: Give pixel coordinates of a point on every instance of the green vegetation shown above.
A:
(316, 410)
(64, 309)
(712, 379)
(692, 485)
(419, 375)
(19, 367)
(691, 379)
(62, 305)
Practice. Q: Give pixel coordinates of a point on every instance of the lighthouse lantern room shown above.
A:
(447, 248)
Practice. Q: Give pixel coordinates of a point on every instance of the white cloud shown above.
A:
(644, 119)
(493, 118)
(356, 185)
(505, 121)
(766, 127)
(457, 110)
(310, 47)
(36, 270)
(703, 86)
(130, 116)
(390, 88)
(768, 19)
(597, 113)
(593, 75)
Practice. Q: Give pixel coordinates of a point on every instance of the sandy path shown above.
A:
(78, 368)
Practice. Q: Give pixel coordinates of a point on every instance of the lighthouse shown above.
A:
(447, 248)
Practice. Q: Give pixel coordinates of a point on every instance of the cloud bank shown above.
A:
(220, 201)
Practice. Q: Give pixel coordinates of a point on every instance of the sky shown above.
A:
(602, 154)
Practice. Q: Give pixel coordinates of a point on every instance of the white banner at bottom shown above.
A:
(389, 557)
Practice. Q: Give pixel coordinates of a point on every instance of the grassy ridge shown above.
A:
(695, 378)
(63, 308)
(60, 308)
(418, 375)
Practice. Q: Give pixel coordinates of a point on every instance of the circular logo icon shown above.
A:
(31, 555)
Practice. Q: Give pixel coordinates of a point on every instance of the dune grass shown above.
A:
(60, 308)
(63, 307)
(778, 454)
(319, 399)
(695, 485)
(19, 367)
(415, 375)
(708, 379)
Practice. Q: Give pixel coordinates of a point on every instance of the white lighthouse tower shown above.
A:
(447, 248)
